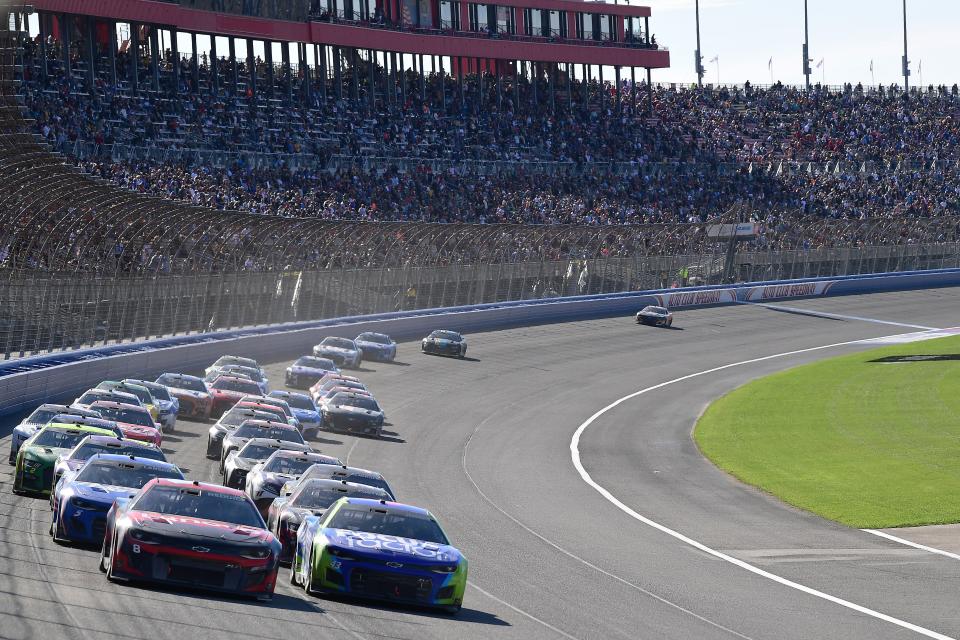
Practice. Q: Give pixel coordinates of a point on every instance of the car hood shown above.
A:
(377, 544)
(197, 528)
(128, 428)
(354, 411)
(337, 350)
(47, 455)
(310, 370)
(187, 392)
(374, 345)
(102, 492)
(301, 414)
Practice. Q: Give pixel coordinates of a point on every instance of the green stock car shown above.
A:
(38, 455)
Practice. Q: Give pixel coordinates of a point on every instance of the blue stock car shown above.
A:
(303, 407)
(84, 497)
(379, 550)
(378, 347)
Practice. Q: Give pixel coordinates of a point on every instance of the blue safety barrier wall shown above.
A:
(27, 382)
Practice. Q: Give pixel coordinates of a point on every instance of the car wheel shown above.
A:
(308, 581)
(294, 577)
(57, 532)
(452, 610)
(106, 557)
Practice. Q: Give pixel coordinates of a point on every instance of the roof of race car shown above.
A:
(189, 484)
(393, 506)
(135, 461)
(108, 404)
(301, 455)
(273, 424)
(77, 428)
(331, 483)
(343, 469)
(99, 439)
(180, 376)
(280, 445)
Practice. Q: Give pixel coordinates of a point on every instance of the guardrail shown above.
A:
(31, 381)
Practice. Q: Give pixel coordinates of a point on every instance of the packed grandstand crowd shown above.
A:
(689, 156)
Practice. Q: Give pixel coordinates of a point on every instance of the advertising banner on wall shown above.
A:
(696, 298)
(778, 291)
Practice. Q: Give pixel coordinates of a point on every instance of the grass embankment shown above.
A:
(869, 444)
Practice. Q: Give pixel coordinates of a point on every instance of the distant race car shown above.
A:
(379, 550)
(320, 391)
(306, 370)
(445, 343)
(327, 378)
(340, 473)
(191, 534)
(265, 480)
(38, 455)
(88, 397)
(258, 429)
(92, 445)
(240, 371)
(271, 404)
(343, 351)
(191, 392)
(227, 424)
(353, 413)
(655, 316)
(84, 497)
(40, 417)
(239, 462)
(135, 389)
(227, 391)
(378, 347)
(167, 404)
(223, 361)
(135, 422)
(303, 407)
(312, 498)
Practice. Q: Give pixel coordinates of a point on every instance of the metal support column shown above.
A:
(90, 37)
(616, 95)
(499, 72)
(234, 65)
(306, 89)
(649, 94)
(251, 68)
(463, 99)
(112, 44)
(443, 84)
(569, 86)
(533, 82)
(552, 82)
(213, 72)
(354, 75)
(175, 63)
(423, 80)
(268, 61)
(337, 78)
(134, 55)
(371, 79)
(155, 58)
(633, 86)
(195, 62)
(287, 70)
(516, 85)
(403, 79)
(322, 58)
(480, 81)
(585, 83)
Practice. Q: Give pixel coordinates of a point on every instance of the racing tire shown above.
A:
(56, 532)
(308, 582)
(452, 610)
(103, 554)
(294, 580)
(208, 454)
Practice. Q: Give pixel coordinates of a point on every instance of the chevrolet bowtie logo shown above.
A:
(201, 550)
(395, 565)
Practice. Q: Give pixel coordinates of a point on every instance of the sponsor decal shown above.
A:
(777, 291)
(696, 298)
(381, 542)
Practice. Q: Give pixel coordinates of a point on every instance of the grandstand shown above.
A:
(151, 191)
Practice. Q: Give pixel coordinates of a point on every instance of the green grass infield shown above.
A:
(870, 440)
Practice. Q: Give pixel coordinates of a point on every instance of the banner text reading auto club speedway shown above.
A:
(747, 294)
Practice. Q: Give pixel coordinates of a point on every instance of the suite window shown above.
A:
(611, 28)
(581, 32)
(505, 20)
(449, 15)
(479, 18)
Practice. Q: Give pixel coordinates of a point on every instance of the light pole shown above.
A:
(806, 45)
(698, 58)
(906, 60)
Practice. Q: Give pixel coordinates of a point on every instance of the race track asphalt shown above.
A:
(485, 444)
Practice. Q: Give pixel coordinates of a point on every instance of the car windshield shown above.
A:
(182, 382)
(377, 338)
(446, 335)
(321, 497)
(288, 466)
(127, 416)
(225, 360)
(142, 394)
(197, 502)
(300, 402)
(659, 310)
(109, 425)
(242, 386)
(340, 343)
(387, 522)
(121, 474)
(276, 413)
(84, 451)
(239, 416)
(253, 374)
(315, 363)
(42, 416)
(331, 472)
(258, 452)
(159, 392)
(360, 402)
(94, 396)
(272, 433)
(58, 439)
(349, 384)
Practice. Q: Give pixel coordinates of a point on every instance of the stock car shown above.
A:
(40, 417)
(83, 498)
(38, 455)
(306, 370)
(135, 389)
(240, 371)
(92, 445)
(191, 534)
(191, 392)
(655, 316)
(90, 396)
(343, 351)
(135, 422)
(167, 404)
(239, 462)
(223, 361)
(376, 346)
(258, 429)
(228, 390)
(265, 480)
(312, 498)
(445, 343)
(303, 408)
(353, 413)
(100, 423)
(340, 473)
(271, 404)
(379, 550)
(228, 423)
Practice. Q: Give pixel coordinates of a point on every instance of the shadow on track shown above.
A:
(474, 616)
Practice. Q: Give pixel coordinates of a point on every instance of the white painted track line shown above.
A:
(833, 316)
(578, 464)
(939, 552)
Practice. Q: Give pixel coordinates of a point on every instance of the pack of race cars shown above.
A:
(100, 462)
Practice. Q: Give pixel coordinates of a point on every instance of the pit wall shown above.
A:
(27, 382)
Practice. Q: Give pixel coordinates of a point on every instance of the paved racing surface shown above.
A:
(485, 444)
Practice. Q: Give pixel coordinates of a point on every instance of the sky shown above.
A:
(845, 34)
